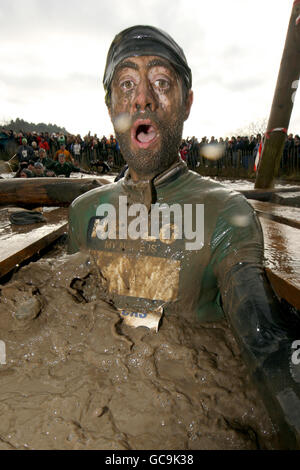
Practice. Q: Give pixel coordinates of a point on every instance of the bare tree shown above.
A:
(253, 128)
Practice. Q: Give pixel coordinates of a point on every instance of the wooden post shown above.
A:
(283, 101)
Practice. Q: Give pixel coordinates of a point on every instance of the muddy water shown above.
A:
(76, 377)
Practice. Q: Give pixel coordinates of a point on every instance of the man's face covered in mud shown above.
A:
(148, 105)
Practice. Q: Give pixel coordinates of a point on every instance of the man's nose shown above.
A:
(145, 98)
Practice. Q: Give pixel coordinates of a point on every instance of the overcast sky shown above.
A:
(53, 53)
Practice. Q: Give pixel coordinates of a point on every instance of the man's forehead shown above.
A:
(136, 62)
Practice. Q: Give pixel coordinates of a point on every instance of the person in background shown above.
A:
(25, 151)
(25, 173)
(39, 170)
(297, 149)
(47, 162)
(30, 166)
(44, 144)
(35, 150)
(22, 166)
(76, 147)
(62, 149)
(64, 168)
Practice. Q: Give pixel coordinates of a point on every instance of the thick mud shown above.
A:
(76, 377)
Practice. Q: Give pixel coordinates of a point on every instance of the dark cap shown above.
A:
(145, 40)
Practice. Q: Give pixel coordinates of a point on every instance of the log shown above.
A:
(53, 192)
(60, 192)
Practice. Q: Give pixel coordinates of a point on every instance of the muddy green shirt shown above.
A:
(66, 169)
(47, 162)
(146, 273)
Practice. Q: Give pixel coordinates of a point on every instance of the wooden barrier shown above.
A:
(282, 248)
(19, 243)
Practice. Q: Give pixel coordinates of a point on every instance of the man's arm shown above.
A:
(256, 315)
(237, 247)
(74, 168)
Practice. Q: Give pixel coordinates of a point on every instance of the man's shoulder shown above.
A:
(207, 186)
(212, 193)
(103, 194)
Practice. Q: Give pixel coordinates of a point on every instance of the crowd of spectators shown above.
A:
(44, 154)
(236, 152)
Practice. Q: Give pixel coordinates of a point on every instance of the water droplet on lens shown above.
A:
(122, 122)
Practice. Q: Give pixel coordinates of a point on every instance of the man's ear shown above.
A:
(188, 104)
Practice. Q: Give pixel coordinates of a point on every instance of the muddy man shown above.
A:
(163, 236)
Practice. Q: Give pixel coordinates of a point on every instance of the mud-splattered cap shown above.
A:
(145, 40)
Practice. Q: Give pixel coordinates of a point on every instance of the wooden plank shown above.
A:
(282, 259)
(285, 215)
(30, 192)
(19, 243)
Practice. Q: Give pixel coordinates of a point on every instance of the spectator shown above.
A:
(25, 152)
(44, 144)
(103, 148)
(64, 168)
(184, 152)
(30, 165)
(288, 152)
(25, 173)
(35, 150)
(39, 170)
(62, 149)
(76, 148)
(47, 162)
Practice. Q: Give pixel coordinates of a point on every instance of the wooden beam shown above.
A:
(19, 243)
(51, 192)
(283, 214)
(282, 259)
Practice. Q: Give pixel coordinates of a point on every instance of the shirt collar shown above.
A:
(144, 191)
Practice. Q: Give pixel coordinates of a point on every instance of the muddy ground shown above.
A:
(76, 377)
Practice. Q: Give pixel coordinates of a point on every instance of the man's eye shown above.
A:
(162, 84)
(127, 85)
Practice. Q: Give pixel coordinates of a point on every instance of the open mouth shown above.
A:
(144, 133)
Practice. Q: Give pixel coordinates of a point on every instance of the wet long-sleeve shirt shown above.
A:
(218, 272)
(177, 272)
